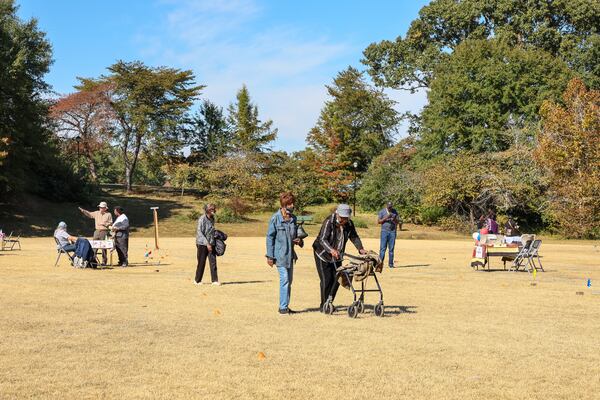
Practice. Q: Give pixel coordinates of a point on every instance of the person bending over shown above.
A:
(329, 248)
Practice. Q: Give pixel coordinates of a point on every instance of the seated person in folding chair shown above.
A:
(84, 255)
(66, 241)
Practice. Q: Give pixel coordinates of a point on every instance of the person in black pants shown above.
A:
(329, 248)
(205, 242)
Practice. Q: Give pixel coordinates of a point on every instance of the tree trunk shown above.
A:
(472, 219)
(128, 178)
(91, 165)
(130, 169)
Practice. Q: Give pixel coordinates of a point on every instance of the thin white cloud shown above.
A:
(226, 44)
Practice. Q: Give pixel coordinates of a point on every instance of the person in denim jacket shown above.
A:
(281, 239)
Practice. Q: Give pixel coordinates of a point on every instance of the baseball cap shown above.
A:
(344, 210)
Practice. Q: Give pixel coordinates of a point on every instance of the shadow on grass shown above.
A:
(369, 309)
(243, 282)
(35, 217)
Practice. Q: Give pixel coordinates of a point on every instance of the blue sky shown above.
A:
(284, 51)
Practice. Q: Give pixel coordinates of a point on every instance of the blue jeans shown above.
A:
(286, 275)
(69, 247)
(388, 241)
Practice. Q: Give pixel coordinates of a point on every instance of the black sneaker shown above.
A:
(284, 311)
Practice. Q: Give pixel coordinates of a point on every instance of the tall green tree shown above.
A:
(150, 106)
(568, 29)
(210, 136)
(28, 155)
(357, 124)
(392, 176)
(250, 134)
(484, 91)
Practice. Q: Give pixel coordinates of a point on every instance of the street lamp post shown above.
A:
(354, 187)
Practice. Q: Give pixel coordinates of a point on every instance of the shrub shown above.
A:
(226, 215)
(194, 215)
(238, 207)
(432, 214)
(454, 223)
(360, 222)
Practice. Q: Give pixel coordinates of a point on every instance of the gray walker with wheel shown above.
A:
(358, 269)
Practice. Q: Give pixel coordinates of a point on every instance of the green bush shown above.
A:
(454, 223)
(431, 215)
(194, 215)
(226, 215)
(360, 222)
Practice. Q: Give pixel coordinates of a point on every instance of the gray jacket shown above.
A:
(205, 233)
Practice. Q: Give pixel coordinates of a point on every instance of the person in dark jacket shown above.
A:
(205, 242)
(329, 248)
(120, 231)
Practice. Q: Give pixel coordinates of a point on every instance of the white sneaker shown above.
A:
(74, 262)
(85, 264)
(197, 283)
(217, 283)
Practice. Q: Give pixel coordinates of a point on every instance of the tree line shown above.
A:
(511, 123)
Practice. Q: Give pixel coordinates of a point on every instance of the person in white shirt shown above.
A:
(120, 230)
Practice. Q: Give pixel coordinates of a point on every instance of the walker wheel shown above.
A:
(352, 311)
(328, 308)
(379, 309)
(361, 306)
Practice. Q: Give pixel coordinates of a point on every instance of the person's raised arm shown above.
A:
(86, 212)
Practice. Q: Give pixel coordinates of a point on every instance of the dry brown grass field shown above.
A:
(146, 332)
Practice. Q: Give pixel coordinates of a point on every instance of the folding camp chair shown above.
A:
(522, 258)
(9, 243)
(534, 254)
(60, 249)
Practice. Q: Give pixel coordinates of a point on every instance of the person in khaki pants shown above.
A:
(102, 220)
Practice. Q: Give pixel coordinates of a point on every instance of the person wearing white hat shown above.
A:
(103, 220)
(329, 248)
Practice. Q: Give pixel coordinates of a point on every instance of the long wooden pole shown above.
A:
(155, 212)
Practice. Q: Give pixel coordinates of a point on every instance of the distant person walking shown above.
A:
(329, 248)
(205, 245)
(281, 239)
(389, 220)
(102, 220)
(120, 229)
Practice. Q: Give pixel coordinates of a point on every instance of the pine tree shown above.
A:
(250, 134)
